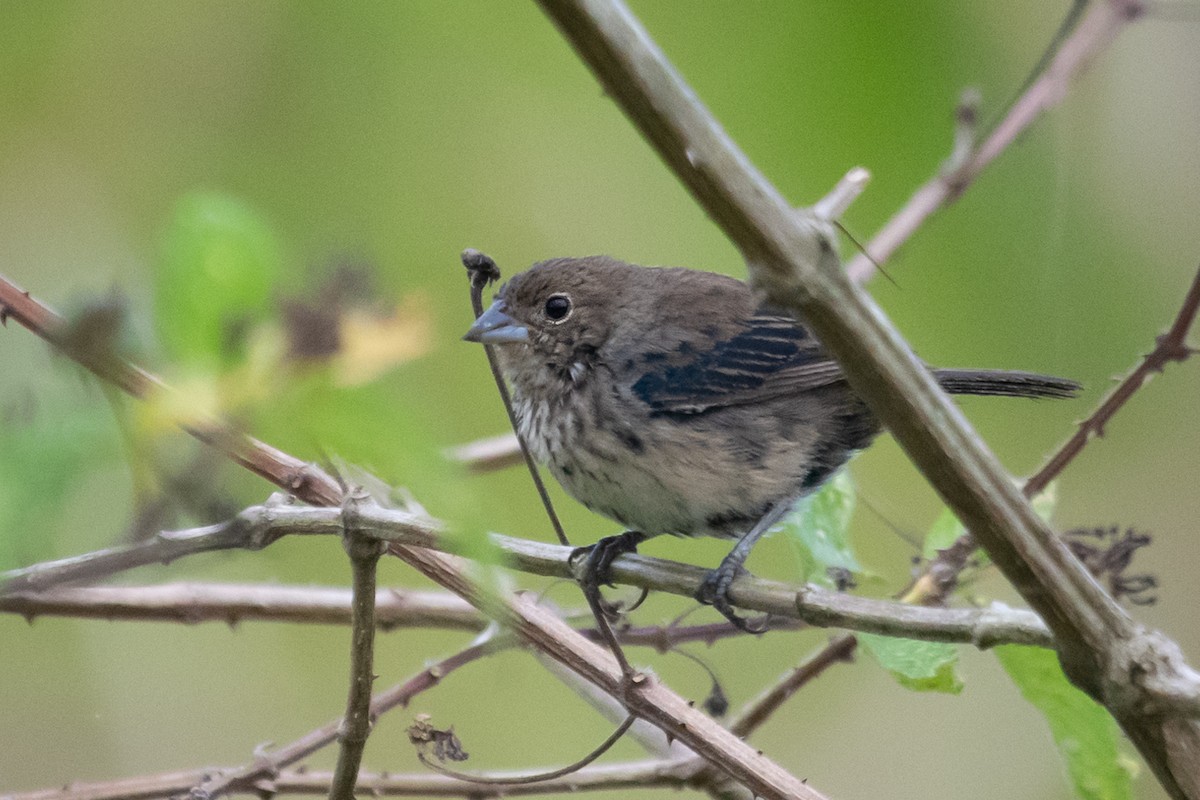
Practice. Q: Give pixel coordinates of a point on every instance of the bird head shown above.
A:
(555, 316)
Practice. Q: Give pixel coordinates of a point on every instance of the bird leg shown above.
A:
(714, 590)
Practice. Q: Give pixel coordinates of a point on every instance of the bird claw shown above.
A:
(599, 557)
(714, 591)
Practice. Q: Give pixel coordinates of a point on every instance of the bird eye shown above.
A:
(558, 306)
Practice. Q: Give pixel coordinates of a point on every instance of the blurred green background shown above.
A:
(394, 135)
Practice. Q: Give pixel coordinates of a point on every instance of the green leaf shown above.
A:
(220, 265)
(947, 529)
(384, 430)
(920, 666)
(41, 461)
(820, 525)
(1086, 735)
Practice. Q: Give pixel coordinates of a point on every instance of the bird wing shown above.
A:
(772, 356)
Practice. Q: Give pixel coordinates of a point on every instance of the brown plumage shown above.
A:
(672, 401)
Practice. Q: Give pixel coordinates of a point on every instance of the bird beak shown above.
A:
(496, 327)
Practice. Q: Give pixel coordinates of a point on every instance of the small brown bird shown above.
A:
(673, 401)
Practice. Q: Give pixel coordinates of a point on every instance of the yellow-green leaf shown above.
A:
(917, 665)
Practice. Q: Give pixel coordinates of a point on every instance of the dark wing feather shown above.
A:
(772, 357)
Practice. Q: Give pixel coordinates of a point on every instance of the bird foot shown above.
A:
(714, 591)
(599, 557)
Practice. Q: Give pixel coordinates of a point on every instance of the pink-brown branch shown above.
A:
(301, 479)
(1171, 346)
(1095, 31)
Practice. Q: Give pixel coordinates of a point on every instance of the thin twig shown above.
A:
(591, 593)
(675, 774)
(942, 572)
(482, 271)
(364, 555)
(249, 530)
(840, 649)
(1170, 346)
(980, 627)
(521, 779)
(264, 766)
(1069, 22)
(1089, 37)
(216, 783)
(191, 603)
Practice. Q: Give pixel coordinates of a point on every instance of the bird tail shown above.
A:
(1005, 383)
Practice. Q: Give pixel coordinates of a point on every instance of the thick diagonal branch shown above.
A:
(791, 256)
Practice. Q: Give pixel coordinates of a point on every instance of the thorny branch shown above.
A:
(983, 627)
(232, 604)
(192, 603)
(940, 575)
(1170, 346)
(676, 774)
(644, 696)
(1090, 37)
(304, 481)
(248, 530)
(760, 709)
